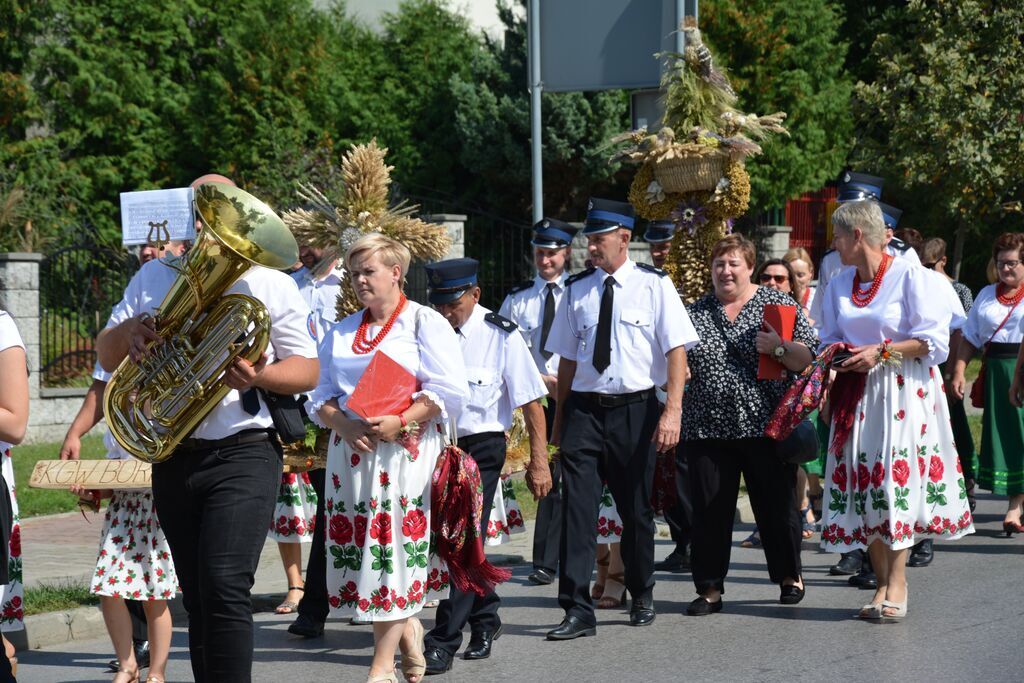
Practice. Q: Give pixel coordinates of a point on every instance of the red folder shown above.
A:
(386, 388)
(783, 319)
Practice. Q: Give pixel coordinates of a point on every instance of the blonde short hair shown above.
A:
(865, 214)
(390, 252)
(799, 254)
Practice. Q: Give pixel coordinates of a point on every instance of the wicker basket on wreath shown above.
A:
(691, 172)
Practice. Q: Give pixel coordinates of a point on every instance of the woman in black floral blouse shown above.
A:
(725, 411)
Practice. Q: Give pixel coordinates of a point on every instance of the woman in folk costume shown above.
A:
(994, 327)
(378, 497)
(892, 474)
(292, 524)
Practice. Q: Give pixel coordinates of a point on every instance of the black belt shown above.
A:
(466, 443)
(243, 437)
(1002, 350)
(614, 400)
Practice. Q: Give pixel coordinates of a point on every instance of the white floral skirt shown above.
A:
(898, 476)
(506, 518)
(295, 513)
(609, 523)
(380, 560)
(134, 559)
(12, 595)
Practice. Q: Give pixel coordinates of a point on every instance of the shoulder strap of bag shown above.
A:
(730, 346)
(1005, 320)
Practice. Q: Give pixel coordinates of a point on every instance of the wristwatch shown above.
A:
(779, 351)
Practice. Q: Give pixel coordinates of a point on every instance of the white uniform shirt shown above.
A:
(832, 265)
(321, 296)
(288, 334)
(985, 316)
(905, 307)
(501, 372)
(648, 321)
(9, 337)
(427, 349)
(526, 309)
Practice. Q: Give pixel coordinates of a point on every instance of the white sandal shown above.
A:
(900, 608)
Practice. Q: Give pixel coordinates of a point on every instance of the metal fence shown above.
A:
(78, 287)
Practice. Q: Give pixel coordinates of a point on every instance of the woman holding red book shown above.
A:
(379, 565)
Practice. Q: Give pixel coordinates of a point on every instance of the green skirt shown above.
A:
(1001, 461)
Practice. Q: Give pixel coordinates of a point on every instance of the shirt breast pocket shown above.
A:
(638, 325)
(587, 328)
(484, 388)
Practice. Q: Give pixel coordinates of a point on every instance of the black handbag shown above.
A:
(288, 413)
(801, 446)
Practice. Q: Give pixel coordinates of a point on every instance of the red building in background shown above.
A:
(810, 216)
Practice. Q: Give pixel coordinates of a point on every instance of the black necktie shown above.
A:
(549, 317)
(603, 348)
(251, 401)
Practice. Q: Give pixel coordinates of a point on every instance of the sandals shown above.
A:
(602, 560)
(751, 541)
(154, 679)
(872, 610)
(133, 675)
(614, 586)
(807, 528)
(289, 606)
(383, 678)
(415, 664)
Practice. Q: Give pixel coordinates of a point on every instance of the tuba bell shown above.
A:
(154, 404)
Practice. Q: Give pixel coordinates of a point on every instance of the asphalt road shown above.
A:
(965, 616)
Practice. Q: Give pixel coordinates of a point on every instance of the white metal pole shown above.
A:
(536, 87)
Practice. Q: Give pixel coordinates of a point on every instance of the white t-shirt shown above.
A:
(288, 334)
(9, 337)
(986, 315)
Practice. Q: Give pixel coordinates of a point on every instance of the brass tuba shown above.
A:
(151, 406)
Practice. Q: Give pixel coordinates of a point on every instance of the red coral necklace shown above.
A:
(361, 345)
(862, 299)
(1009, 299)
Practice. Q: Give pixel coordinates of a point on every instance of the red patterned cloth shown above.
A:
(805, 395)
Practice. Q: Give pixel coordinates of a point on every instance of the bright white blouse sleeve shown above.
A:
(971, 329)
(9, 335)
(928, 316)
(325, 388)
(442, 372)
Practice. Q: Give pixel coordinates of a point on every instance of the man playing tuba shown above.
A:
(215, 494)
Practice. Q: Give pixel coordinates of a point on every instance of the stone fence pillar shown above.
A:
(776, 241)
(19, 296)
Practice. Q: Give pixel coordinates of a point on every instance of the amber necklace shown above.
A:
(862, 299)
(361, 345)
(1011, 299)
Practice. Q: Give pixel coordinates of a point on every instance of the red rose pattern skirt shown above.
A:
(12, 595)
(295, 513)
(609, 523)
(506, 517)
(380, 560)
(898, 476)
(134, 559)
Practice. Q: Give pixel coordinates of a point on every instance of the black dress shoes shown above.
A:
(641, 612)
(701, 607)
(572, 627)
(850, 563)
(791, 595)
(306, 627)
(922, 555)
(541, 577)
(865, 579)
(438, 661)
(141, 648)
(677, 561)
(480, 644)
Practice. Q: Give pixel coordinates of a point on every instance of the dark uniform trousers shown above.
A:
(610, 443)
(214, 501)
(715, 468)
(547, 528)
(480, 612)
(313, 604)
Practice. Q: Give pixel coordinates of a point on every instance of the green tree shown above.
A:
(944, 114)
(787, 56)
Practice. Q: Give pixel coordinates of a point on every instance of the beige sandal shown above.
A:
(603, 559)
(415, 664)
(614, 587)
(289, 606)
(383, 678)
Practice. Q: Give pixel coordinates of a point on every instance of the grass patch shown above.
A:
(527, 505)
(975, 422)
(972, 369)
(58, 597)
(32, 502)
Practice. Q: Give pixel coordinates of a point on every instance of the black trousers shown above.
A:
(313, 604)
(614, 445)
(680, 516)
(715, 468)
(962, 436)
(547, 528)
(480, 612)
(215, 505)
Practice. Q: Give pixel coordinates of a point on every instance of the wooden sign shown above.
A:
(92, 474)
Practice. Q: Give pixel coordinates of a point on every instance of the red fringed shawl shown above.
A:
(847, 390)
(456, 511)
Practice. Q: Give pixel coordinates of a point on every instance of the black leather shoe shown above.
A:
(438, 661)
(922, 555)
(865, 579)
(701, 607)
(572, 627)
(306, 627)
(141, 656)
(677, 561)
(641, 612)
(791, 595)
(480, 644)
(541, 577)
(849, 563)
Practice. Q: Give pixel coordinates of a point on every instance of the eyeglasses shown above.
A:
(1007, 264)
(779, 279)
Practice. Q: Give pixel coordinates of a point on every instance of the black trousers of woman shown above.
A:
(214, 501)
(715, 469)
